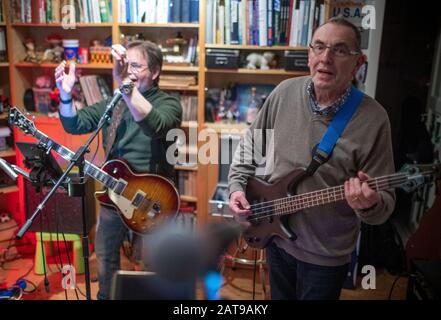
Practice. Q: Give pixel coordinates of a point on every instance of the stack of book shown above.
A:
(169, 81)
(94, 88)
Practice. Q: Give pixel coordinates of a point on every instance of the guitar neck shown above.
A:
(291, 204)
(89, 168)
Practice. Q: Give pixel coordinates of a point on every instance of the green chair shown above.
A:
(40, 257)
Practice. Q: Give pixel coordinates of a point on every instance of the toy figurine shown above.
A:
(56, 51)
(31, 56)
(260, 61)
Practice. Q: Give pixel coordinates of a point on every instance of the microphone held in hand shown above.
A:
(127, 87)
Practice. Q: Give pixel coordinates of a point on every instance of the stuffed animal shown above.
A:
(56, 51)
(4, 217)
(31, 56)
(261, 61)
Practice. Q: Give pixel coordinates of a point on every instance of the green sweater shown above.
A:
(142, 144)
(326, 234)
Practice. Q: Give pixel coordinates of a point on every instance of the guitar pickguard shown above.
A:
(123, 204)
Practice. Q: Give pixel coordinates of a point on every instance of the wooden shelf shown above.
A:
(271, 72)
(161, 25)
(169, 67)
(101, 66)
(193, 167)
(252, 47)
(58, 25)
(178, 88)
(3, 116)
(227, 127)
(2, 24)
(54, 65)
(188, 124)
(7, 153)
(4, 64)
(9, 189)
(189, 198)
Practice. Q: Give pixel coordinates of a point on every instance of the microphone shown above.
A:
(125, 89)
(8, 169)
(117, 95)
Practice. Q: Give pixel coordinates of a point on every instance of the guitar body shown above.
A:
(161, 197)
(260, 233)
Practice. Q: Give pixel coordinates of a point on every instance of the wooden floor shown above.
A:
(238, 283)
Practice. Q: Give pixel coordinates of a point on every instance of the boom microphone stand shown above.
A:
(78, 160)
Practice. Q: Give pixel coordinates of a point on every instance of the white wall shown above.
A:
(373, 43)
(373, 52)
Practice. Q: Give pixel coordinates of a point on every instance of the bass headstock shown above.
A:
(419, 174)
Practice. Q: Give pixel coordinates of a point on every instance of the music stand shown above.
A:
(47, 172)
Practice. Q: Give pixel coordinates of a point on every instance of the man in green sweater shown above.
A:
(299, 111)
(146, 116)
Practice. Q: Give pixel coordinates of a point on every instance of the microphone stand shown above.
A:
(78, 160)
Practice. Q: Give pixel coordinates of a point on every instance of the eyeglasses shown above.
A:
(338, 50)
(137, 68)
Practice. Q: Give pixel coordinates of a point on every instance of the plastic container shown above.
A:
(83, 55)
(71, 49)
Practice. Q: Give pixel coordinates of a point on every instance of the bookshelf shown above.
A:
(247, 43)
(270, 72)
(10, 152)
(21, 75)
(104, 66)
(8, 189)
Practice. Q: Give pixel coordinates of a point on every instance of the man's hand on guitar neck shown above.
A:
(240, 207)
(358, 193)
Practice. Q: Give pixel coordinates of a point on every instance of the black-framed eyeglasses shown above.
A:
(338, 50)
(137, 68)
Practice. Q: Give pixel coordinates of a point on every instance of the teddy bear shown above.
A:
(261, 61)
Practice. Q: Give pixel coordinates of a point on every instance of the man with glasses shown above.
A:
(299, 110)
(136, 133)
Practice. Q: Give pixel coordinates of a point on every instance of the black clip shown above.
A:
(319, 157)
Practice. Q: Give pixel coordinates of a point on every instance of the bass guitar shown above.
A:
(271, 204)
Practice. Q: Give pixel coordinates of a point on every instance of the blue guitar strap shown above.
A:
(323, 151)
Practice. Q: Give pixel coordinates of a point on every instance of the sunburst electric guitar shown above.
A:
(142, 200)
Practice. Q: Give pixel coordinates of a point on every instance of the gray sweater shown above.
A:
(327, 234)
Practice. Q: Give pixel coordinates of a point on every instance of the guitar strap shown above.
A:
(126, 88)
(323, 151)
(116, 120)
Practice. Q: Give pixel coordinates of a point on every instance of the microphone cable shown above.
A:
(43, 252)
